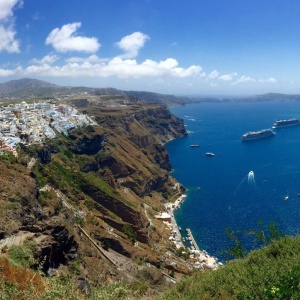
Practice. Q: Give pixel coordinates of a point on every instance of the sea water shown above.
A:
(246, 184)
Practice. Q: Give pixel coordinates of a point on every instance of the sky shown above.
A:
(190, 47)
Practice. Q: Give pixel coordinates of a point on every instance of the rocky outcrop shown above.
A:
(116, 167)
(87, 145)
(56, 246)
(45, 152)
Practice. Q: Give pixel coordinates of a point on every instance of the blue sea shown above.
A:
(220, 191)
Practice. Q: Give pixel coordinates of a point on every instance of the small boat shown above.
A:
(194, 145)
(286, 198)
(209, 154)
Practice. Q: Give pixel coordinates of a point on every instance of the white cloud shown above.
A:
(213, 74)
(48, 59)
(7, 32)
(65, 39)
(118, 67)
(228, 77)
(6, 72)
(92, 59)
(268, 80)
(7, 40)
(131, 44)
(6, 9)
(243, 79)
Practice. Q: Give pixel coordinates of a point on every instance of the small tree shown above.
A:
(236, 250)
(131, 234)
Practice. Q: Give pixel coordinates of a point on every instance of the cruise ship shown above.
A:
(286, 123)
(255, 135)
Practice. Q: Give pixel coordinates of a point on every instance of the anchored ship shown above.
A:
(209, 154)
(255, 135)
(286, 123)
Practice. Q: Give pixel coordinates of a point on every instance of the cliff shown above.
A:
(110, 180)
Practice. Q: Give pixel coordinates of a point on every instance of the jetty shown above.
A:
(204, 260)
(190, 235)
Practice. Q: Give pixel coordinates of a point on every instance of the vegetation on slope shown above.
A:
(19, 283)
(111, 180)
(272, 272)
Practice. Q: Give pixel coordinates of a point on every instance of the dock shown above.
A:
(189, 233)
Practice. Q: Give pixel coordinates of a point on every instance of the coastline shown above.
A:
(176, 234)
(201, 258)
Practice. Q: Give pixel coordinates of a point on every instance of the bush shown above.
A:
(74, 267)
(128, 230)
(165, 195)
(21, 256)
(272, 272)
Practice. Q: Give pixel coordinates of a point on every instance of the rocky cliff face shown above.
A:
(86, 145)
(115, 174)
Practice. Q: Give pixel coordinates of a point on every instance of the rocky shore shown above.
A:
(201, 259)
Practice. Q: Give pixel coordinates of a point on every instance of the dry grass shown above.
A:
(20, 280)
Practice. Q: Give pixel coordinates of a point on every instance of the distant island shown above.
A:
(27, 88)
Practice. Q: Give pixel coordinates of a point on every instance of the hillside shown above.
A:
(87, 205)
(270, 273)
(78, 216)
(24, 84)
(270, 97)
(36, 89)
(27, 88)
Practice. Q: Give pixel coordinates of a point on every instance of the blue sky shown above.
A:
(191, 47)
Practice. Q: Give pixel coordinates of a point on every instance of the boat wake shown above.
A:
(250, 182)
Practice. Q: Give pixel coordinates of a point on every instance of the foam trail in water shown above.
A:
(238, 187)
(251, 180)
(248, 178)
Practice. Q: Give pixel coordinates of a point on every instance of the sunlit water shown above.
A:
(245, 183)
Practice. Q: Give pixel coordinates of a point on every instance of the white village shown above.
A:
(33, 123)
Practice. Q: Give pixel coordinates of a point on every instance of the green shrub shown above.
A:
(21, 256)
(129, 231)
(74, 267)
(165, 195)
(272, 272)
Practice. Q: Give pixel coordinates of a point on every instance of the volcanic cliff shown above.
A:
(91, 196)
